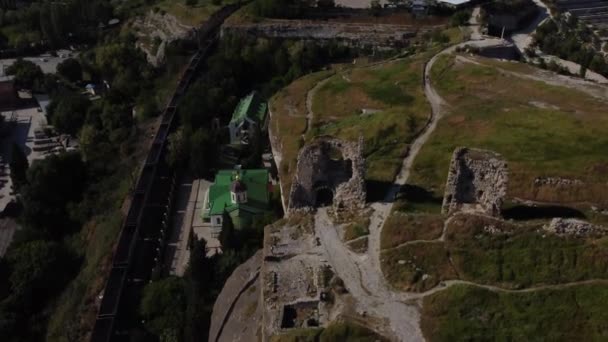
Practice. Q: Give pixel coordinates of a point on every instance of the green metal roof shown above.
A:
(256, 181)
(252, 106)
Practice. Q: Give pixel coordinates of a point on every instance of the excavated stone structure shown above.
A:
(477, 182)
(329, 171)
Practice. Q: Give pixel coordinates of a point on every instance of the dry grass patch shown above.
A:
(400, 228)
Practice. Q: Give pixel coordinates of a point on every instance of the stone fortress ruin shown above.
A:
(477, 182)
(329, 171)
(295, 279)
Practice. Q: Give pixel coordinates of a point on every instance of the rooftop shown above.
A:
(252, 106)
(256, 183)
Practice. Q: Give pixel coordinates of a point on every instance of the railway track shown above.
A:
(145, 228)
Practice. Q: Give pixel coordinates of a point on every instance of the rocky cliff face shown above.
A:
(155, 30)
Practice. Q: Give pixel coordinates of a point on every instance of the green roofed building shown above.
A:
(249, 114)
(242, 194)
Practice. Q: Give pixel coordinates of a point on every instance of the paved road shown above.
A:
(47, 63)
(523, 39)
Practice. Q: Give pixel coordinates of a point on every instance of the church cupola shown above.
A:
(238, 191)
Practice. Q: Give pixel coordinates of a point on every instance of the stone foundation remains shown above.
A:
(477, 182)
(295, 279)
(574, 227)
(329, 171)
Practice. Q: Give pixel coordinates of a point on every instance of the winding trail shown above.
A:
(362, 273)
(309, 97)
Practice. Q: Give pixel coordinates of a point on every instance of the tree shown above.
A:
(68, 112)
(178, 148)
(460, 18)
(53, 185)
(18, 167)
(163, 306)
(202, 153)
(228, 237)
(375, 7)
(191, 2)
(38, 269)
(26, 73)
(70, 69)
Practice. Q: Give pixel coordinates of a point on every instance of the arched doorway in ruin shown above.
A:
(324, 195)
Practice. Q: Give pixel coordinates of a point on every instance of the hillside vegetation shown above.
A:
(541, 130)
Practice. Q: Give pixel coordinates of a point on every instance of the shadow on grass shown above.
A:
(376, 190)
(525, 212)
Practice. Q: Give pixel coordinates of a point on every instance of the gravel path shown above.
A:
(366, 284)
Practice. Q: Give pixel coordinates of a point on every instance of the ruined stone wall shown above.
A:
(316, 169)
(359, 35)
(477, 181)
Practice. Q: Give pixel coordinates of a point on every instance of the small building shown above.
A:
(249, 114)
(240, 194)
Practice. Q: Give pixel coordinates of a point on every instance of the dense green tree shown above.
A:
(18, 166)
(163, 308)
(38, 269)
(26, 73)
(203, 153)
(70, 69)
(53, 186)
(177, 153)
(68, 112)
(228, 237)
(460, 18)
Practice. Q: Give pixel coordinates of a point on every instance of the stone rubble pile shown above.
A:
(573, 227)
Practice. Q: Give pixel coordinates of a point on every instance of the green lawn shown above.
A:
(466, 313)
(541, 130)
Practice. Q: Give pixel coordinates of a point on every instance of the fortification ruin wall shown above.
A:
(353, 34)
(317, 169)
(477, 181)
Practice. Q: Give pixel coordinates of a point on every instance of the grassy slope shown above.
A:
(466, 313)
(501, 112)
(524, 257)
(394, 89)
(288, 121)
